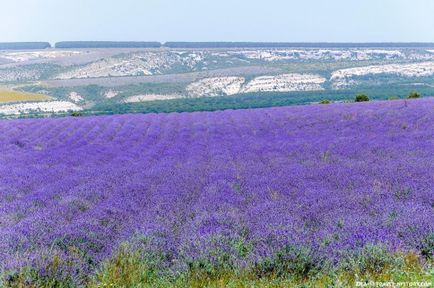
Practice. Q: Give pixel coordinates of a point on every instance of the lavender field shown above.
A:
(283, 193)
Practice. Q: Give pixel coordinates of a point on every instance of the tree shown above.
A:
(362, 98)
(413, 95)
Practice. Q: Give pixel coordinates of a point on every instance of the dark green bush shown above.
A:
(362, 98)
(325, 101)
(413, 95)
(76, 114)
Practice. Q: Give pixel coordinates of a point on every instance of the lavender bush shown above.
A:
(280, 190)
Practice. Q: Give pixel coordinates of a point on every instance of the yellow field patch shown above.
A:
(7, 96)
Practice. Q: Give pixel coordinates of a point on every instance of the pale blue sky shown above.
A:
(223, 20)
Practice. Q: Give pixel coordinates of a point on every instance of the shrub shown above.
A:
(298, 262)
(76, 114)
(427, 247)
(325, 101)
(127, 268)
(362, 98)
(371, 260)
(413, 95)
(48, 271)
(293, 266)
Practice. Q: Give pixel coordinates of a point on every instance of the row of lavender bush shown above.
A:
(279, 191)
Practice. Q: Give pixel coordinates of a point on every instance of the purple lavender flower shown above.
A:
(245, 184)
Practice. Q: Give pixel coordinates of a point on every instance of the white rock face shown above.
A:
(109, 67)
(285, 83)
(49, 107)
(272, 55)
(135, 64)
(150, 97)
(111, 93)
(74, 96)
(219, 86)
(36, 55)
(344, 77)
(216, 86)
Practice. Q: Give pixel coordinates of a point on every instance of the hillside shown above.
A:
(127, 77)
(295, 194)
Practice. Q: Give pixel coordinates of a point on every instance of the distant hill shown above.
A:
(187, 45)
(106, 44)
(292, 45)
(24, 45)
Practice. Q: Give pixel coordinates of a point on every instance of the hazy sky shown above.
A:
(219, 20)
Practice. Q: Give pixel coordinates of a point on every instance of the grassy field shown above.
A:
(8, 96)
